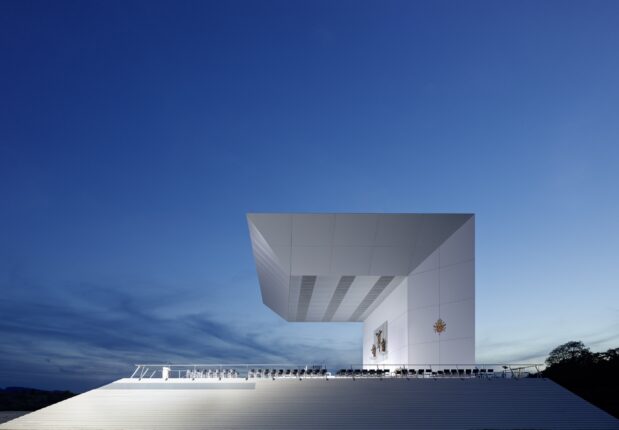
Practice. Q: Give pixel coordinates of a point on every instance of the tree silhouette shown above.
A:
(594, 376)
(568, 352)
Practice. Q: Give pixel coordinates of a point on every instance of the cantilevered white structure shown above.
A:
(410, 278)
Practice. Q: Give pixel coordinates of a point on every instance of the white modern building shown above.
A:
(410, 278)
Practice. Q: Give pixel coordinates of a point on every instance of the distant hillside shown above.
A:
(29, 399)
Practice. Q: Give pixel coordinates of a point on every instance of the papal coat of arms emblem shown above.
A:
(439, 326)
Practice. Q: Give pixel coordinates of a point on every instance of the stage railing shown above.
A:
(353, 371)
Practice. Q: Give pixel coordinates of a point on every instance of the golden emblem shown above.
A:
(439, 326)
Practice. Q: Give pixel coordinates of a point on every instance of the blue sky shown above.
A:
(135, 136)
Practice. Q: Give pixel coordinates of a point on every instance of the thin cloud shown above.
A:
(92, 334)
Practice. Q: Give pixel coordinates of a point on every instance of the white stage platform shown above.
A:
(530, 403)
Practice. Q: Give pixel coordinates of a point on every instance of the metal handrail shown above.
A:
(247, 370)
(323, 365)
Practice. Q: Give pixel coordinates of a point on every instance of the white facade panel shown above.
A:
(276, 228)
(457, 282)
(392, 311)
(351, 260)
(270, 273)
(424, 353)
(421, 321)
(430, 263)
(282, 253)
(398, 357)
(460, 319)
(311, 260)
(423, 289)
(293, 297)
(355, 230)
(390, 260)
(457, 351)
(312, 230)
(397, 230)
(460, 246)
